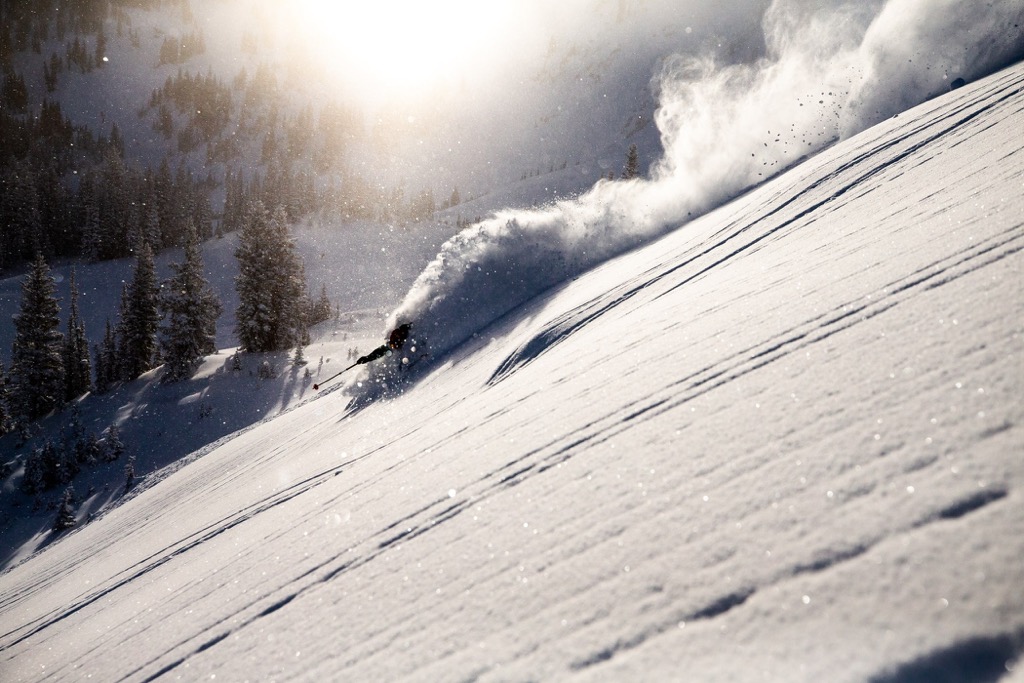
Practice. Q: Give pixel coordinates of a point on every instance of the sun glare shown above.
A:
(394, 46)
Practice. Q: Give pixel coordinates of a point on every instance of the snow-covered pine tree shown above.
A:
(271, 283)
(99, 368)
(37, 365)
(77, 368)
(114, 448)
(140, 317)
(120, 336)
(67, 464)
(33, 480)
(301, 315)
(66, 513)
(93, 448)
(190, 310)
(291, 301)
(5, 415)
(106, 366)
(75, 439)
(254, 316)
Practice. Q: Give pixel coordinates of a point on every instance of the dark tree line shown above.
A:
(178, 49)
(204, 100)
(113, 207)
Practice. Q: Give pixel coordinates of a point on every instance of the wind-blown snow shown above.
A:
(780, 444)
(831, 70)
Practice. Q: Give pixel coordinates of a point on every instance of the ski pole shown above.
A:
(316, 387)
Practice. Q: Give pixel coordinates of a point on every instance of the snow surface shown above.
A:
(782, 443)
(366, 267)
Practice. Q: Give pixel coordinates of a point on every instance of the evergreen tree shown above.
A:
(75, 440)
(271, 283)
(14, 91)
(190, 310)
(114, 447)
(49, 464)
(321, 309)
(22, 234)
(632, 169)
(140, 317)
(93, 238)
(67, 467)
(120, 336)
(37, 366)
(94, 447)
(66, 513)
(77, 369)
(292, 303)
(33, 480)
(5, 415)
(152, 221)
(106, 361)
(114, 206)
(254, 316)
(129, 474)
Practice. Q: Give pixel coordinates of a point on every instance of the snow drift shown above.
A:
(831, 70)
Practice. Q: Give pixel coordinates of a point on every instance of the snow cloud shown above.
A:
(915, 48)
(829, 71)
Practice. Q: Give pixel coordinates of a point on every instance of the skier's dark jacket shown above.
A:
(396, 340)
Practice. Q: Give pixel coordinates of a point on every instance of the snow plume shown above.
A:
(830, 70)
(916, 48)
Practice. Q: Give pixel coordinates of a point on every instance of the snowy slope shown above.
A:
(364, 268)
(782, 443)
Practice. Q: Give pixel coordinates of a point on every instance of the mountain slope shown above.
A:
(781, 443)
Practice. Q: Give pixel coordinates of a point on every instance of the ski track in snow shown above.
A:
(733, 241)
(601, 386)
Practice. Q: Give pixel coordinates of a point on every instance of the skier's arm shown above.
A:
(378, 352)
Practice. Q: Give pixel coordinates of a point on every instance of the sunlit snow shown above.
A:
(753, 416)
(641, 461)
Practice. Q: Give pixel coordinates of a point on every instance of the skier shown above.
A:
(396, 340)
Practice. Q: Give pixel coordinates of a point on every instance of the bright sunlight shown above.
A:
(401, 46)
